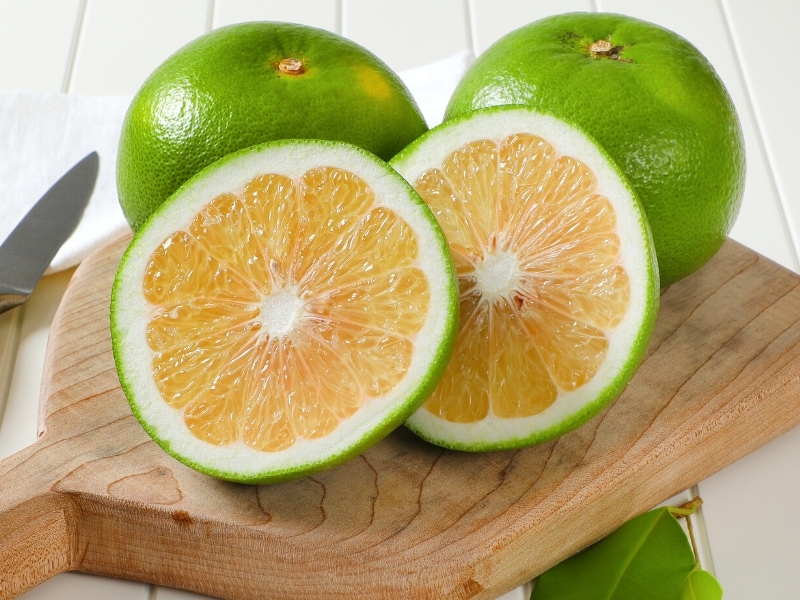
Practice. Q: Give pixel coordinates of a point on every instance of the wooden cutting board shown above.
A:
(406, 519)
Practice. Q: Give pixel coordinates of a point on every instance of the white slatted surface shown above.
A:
(749, 528)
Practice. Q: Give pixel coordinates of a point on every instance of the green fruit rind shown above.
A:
(654, 103)
(130, 314)
(224, 91)
(629, 340)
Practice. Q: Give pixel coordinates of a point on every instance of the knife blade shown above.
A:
(31, 246)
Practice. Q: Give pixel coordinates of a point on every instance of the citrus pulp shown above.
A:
(286, 308)
(650, 99)
(250, 83)
(557, 276)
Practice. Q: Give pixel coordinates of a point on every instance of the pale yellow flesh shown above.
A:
(282, 309)
(540, 276)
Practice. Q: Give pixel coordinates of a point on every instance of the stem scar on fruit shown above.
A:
(605, 49)
(291, 66)
(602, 47)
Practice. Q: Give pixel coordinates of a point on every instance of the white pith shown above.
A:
(636, 256)
(279, 311)
(497, 274)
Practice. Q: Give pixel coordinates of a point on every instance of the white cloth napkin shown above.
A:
(43, 135)
(434, 83)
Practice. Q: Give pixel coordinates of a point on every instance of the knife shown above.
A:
(33, 243)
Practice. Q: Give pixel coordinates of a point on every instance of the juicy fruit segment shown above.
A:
(549, 281)
(279, 311)
(232, 320)
(540, 280)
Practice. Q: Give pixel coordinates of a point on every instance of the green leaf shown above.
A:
(701, 585)
(648, 558)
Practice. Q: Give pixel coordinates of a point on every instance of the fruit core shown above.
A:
(540, 274)
(497, 274)
(280, 312)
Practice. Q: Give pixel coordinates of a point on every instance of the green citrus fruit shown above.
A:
(286, 308)
(650, 98)
(557, 276)
(250, 83)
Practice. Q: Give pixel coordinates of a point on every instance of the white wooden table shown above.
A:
(749, 526)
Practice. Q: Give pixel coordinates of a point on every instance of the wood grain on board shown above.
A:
(406, 519)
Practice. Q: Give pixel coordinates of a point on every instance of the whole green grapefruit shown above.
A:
(248, 83)
(650, 98)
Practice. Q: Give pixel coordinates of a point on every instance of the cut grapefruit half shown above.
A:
(557, 276)
(285, 309)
